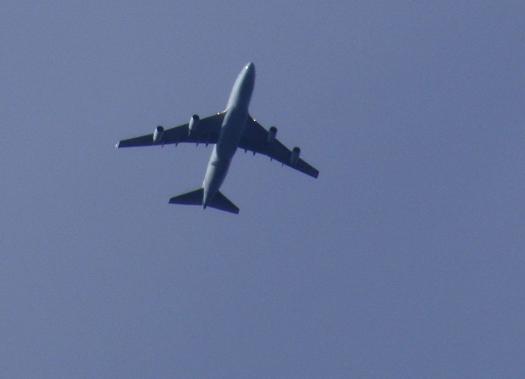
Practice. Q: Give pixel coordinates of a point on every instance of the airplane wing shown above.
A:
(206, 131)
(259, 140)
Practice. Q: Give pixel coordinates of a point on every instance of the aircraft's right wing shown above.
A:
(205, 131)
(257, 139)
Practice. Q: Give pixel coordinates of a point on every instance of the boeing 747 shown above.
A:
(228, 130)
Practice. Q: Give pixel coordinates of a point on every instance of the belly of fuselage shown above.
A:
(231, 132)
(223, 152)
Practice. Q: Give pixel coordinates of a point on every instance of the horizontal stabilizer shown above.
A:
(219, 201)
(189, 198)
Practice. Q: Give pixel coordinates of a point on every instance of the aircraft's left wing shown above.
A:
(259, 140)
(204, 131)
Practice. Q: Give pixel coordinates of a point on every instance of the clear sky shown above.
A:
(405, 259)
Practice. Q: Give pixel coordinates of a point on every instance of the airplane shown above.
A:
(227, 130)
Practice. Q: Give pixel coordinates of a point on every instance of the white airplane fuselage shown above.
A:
(231, 132)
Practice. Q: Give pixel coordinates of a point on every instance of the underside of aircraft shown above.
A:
(228, 130)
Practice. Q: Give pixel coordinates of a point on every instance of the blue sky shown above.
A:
(404, 259)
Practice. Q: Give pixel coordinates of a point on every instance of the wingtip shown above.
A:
(117, 145)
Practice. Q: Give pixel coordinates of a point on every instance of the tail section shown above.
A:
(189, 198)
(219, 201)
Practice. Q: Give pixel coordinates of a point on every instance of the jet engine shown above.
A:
(294, 157)
(158, 134)
(194, 122)
(271, 134)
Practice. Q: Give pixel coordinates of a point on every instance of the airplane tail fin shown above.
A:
(189, 198)
(219, 201)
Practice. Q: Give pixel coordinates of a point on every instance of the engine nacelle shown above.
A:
(295, 156)
(271, 134)
(194, 122)
(158, 134)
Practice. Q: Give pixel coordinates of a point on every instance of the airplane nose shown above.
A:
(250, 68)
